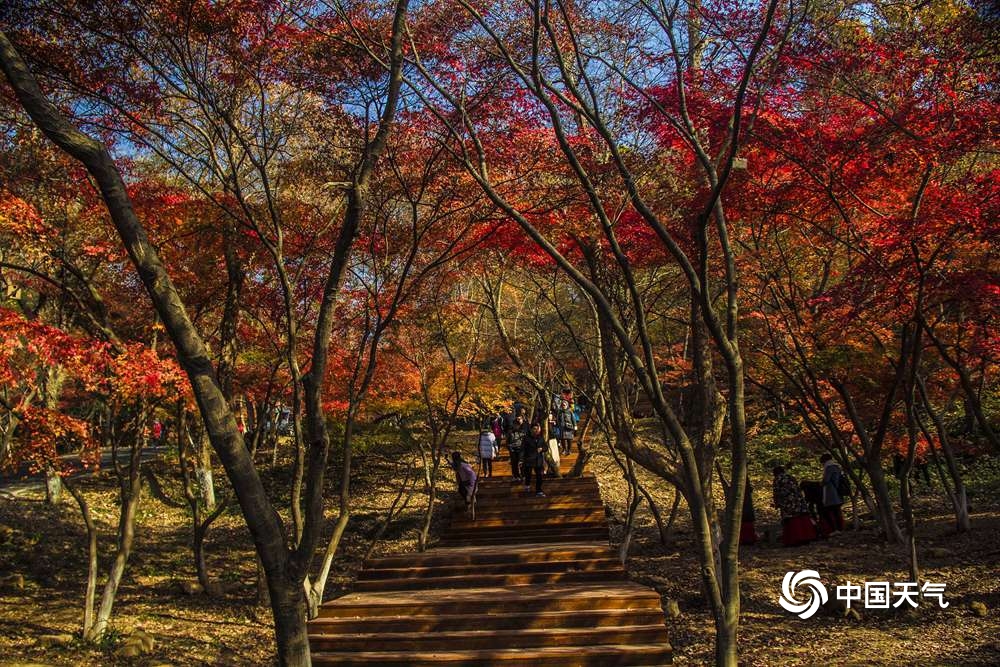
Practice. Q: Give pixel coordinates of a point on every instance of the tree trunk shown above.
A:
(633, 504)
(316, 429)
(430, 469)
(53, 379)
(126, 535)
(317, 588)
(662, 528)
(263, 595)
(883, 502)
(972, 402)
(201, 528)
(905, 492)
(906, 501)
(725, 636)
(272, 438)
(298, 468)
(395, 509)
(958, 497)
(859, 490)
(53, 486)
(92, 563)
(203, 472)
(425, 528)
(288, 603)
(201, 568)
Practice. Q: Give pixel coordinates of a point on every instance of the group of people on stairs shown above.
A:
(530, 452)
(808, 509)
(527, 447)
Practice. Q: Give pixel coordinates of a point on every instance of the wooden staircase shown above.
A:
(532, 581)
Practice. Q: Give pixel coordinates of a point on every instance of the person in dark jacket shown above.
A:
(813, 493)
(507, 422)
(515, 445)
(566, 424)
(832, 516)
(534, 457)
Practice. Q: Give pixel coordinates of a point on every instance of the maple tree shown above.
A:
(286, 567)
(876, 208)
(119, 383)
(77, 374)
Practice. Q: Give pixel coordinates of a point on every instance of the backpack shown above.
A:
(843, 486)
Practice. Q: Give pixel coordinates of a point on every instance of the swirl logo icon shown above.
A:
(817, 593)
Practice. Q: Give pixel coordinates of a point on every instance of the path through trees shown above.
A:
(530, 580)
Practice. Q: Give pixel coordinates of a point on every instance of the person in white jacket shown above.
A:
(488, 450)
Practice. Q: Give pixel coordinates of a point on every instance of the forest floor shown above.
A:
(47, 546)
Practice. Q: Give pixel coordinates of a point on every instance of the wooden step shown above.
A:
(532, 502)
(549, 529)
(509, 481)
(545, 517)
(503, 467)
(477, 580)
(587, 535)
(575, 564)
(565, 487)
(608, 655)
(529, 506)
(549, 524)
(564, 597)
(500, 505)
(515, 491)
(465, 640)
(524, 553)
(497, 483)
(582, 618)
(504, 461)
(528, 535)
(555, 507)
(504, 458)
(566, 464)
